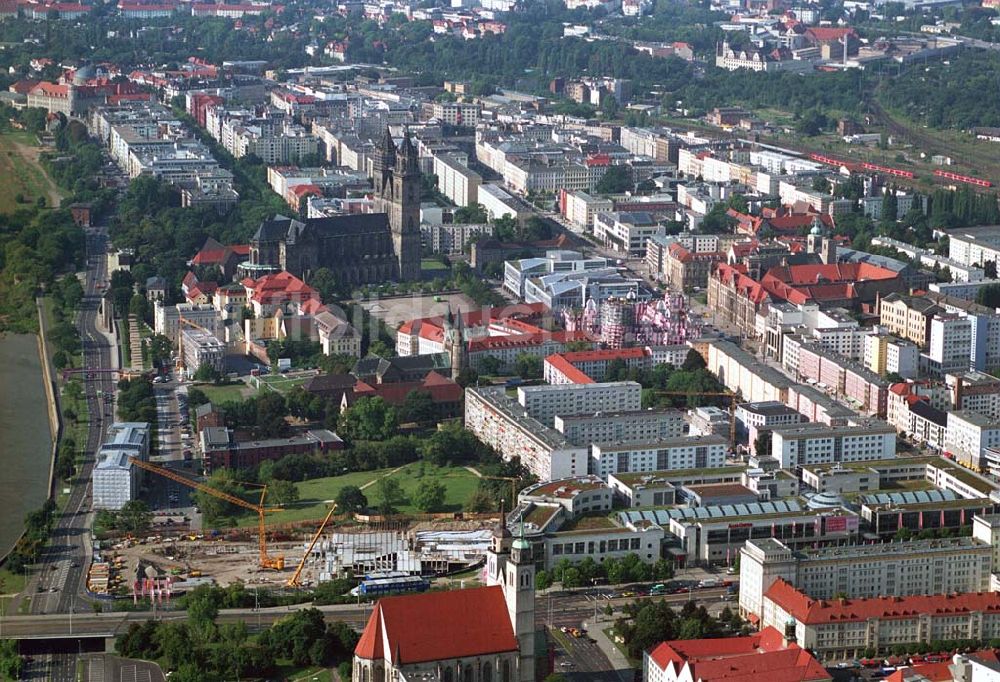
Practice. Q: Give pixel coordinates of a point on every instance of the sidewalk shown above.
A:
(621, 665)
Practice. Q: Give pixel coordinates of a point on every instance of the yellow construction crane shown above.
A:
(276, 563)
(294, 580)
(513, 487)
(733, 399)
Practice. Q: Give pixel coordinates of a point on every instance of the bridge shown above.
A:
(90, 626)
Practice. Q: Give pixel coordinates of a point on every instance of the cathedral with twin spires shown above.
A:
(369, 248)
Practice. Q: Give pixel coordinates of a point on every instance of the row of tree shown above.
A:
(199, 650)
(629, 569)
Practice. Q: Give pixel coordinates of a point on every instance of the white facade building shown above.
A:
(693, 452)
(818, 443)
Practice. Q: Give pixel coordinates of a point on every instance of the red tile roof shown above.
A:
(820, 611)
(566, 368)
(438, 625)
(278, 288)
(526, 340)
(441, 390)
(935, 672)
(734, 276)
(821, 282)
(829, 34)
(764, 656)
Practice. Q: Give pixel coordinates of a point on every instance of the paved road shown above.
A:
(61, 576)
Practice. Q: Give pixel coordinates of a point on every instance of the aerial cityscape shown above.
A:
(500, 340)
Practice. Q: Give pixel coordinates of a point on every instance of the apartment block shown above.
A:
(692, 452)
(545, 402)
(898, 569)
(806, 444)
(504, 424)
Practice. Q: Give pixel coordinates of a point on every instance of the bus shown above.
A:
(380, 586)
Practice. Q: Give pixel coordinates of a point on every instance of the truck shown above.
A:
(709, 583)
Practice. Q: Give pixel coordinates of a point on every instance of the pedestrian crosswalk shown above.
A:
(133, 673)
(95, 669)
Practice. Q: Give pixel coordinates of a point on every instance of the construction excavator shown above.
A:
(275, 563)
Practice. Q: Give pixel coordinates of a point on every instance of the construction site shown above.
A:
(293, 557)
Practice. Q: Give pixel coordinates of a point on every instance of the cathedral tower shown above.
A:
(404, 211)
(510, 565)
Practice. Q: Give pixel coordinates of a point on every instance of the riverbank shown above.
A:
(51, 394)
(28, 452)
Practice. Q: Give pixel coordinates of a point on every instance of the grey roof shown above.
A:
(923, 409)
(272, 230)
(663, 517)
(909, 497)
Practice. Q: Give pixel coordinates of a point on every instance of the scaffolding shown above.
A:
(620, 322)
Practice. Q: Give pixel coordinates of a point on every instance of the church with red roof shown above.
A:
(485, 634)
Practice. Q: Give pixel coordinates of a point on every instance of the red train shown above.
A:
(890, 171)
(969, 180)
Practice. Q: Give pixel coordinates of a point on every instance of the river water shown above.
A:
(25, 441)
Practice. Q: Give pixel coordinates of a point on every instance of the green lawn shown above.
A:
(10, 585)
(459, 485)
(314, 494)
(282, 384)
(22, 173)
(225, 394)
(432, 264)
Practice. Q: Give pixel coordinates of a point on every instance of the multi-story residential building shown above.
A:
(968, 434)
(202, 349)
(884, 354)
(752, 418)
(685, 269)
(504, 424)
(584, 367)
(974, 245)
(741, 372)
(805, 444)
(500, 203)
(898, 569)
(768, 654)
(846, 628)
(116, 480)
(659, 144)
(581, 208)
(976, 392)
(458, 114)
(546, 401)
(640, 426)
(950, 346)
(452, 238)
(626, 232)
(167, 319)
(456, 180)
(908, 317)
(691, 452)
(984, 352)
